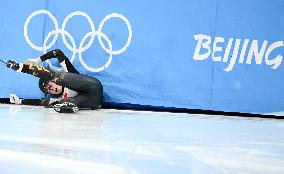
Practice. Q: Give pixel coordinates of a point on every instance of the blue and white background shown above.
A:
(221, 55)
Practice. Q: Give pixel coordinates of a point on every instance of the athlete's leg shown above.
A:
(89, 88)
(62, 59)
(82, 101)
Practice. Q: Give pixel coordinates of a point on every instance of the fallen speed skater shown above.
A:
(66, 91)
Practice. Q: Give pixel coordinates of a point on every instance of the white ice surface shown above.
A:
(39, 140)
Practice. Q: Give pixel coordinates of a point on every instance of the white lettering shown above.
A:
(276, 61)
(217, 49)
(228, 49)
(254, 51)
(200, 43)
(243, 51)
(203, 51)
(234, 56)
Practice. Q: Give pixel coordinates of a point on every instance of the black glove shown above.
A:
(13, 65)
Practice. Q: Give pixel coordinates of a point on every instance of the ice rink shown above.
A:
(39, 140)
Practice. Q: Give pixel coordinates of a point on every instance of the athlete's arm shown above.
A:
(41, 102)
(14, 99)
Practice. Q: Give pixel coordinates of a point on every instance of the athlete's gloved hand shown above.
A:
(14, 65)
(35, 61)
(15, 99)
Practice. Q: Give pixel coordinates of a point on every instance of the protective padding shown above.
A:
(222, 55)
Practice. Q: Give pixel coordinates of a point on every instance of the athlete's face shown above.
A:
(53, 88)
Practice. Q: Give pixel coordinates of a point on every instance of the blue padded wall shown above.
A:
(222, 55)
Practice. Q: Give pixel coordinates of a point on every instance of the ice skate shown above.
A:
(66, 107)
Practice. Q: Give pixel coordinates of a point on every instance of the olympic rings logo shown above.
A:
(73, 48)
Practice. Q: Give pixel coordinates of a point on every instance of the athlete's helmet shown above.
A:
(42, 84)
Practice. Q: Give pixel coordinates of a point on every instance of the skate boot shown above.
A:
(66, 107)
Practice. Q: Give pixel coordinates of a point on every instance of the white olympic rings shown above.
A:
(92, 34)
